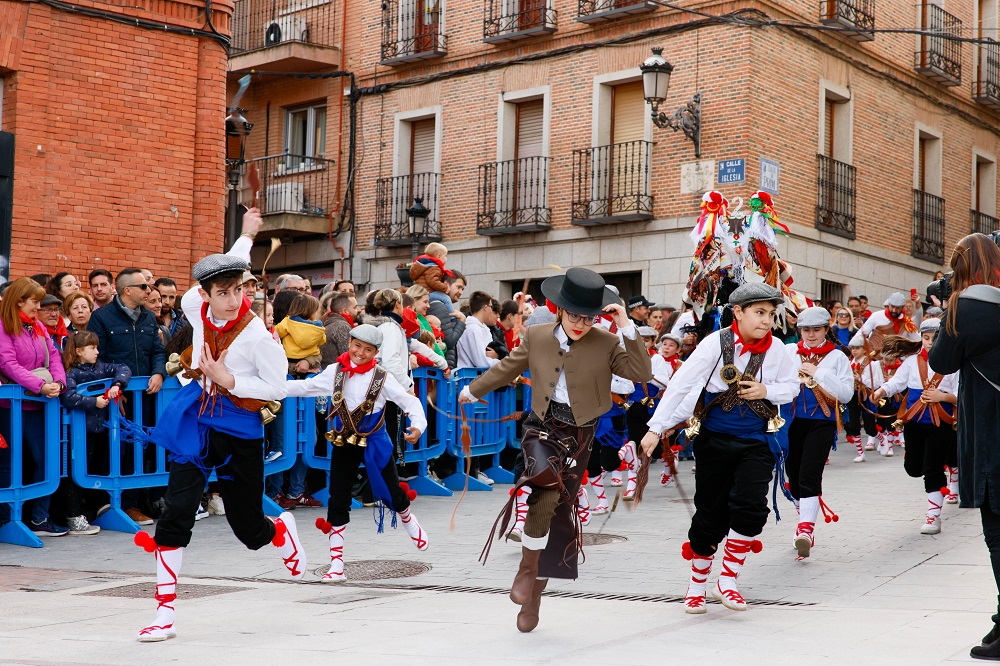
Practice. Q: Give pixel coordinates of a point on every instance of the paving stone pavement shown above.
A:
(875, 590)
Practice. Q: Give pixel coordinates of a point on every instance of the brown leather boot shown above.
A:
(524, 581)
(527, 619)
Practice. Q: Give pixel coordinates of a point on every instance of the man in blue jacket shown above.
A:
(129, 335)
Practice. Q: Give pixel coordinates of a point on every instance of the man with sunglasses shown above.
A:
(571, 364)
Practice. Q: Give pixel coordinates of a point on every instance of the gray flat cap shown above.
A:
(671, 336)
(896, 300)
(934, 311)
(669, 307)
(367, 333)
(755, 292)
(857, 341)
(930, 325)
(217, 264)
(647, 332)
(814, 316)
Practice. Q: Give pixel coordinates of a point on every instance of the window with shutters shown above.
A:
(305, 135)
(611, 181)
(986, 56)
(984, 194)
(836, 176)
(513, 192)
(411, 30)
(597, 11)
(417, 179)
(508, 20)
(928, 205)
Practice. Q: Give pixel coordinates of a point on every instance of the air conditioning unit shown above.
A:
(285, 29)
(285, 198)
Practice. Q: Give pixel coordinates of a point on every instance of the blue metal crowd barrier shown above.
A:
(487, 439)
(431, 388)
(15, 490)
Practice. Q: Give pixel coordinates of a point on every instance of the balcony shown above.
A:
(393, 196)
(939, 58)
(856, 17)
(986, 86)
(283, 36)
(296, 195)
(928, 227)
(509, 20)
(513, 197)
(983, 223)
(596, 11)
(611, 184)
(411, 31)
(837, 187)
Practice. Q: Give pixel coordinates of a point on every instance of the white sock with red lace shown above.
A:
(286, 540)
(856, 441)
(616, 475)
(952, 497)
(871, 443)
(335, 533)
(168, 566)
(520, 512)
(701, 567)
(804, 539)
(413, 528)
(734, 555)
(891, 440)
(628, 457)
(583, 505)
(934, 501)
(597, 483)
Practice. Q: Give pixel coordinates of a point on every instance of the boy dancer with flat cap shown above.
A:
(216, 422)
(360, 388)
(571, 363)
(729, 389)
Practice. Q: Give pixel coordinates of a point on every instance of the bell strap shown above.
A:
(821, 397)
(938, 414)
(731, 375)
(350, 419)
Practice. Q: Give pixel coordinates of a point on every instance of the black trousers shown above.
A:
(344, 463)
(731, 485)
(809, 444)
(888, 411)
(239, 466)
(637, 419)
(991, 533)
(928, 449)
(604, 459)
(859, 418)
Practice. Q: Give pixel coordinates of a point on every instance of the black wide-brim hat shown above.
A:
(580, 291)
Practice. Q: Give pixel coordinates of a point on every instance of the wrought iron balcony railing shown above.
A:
(507, 20)
(928, 226)
(393, 196)
(411, 30)
(595, 11)
(513, 196)
(611, 183)
(261, 24)
(837, 190)
(939, 57)
(857, 17)
(983, 223)
(294, 184)
(986, 86)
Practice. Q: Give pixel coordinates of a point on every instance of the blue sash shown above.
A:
(605, 432)
(379, 450)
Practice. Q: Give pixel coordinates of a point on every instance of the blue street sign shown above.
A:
(770, 171)
(732, 171)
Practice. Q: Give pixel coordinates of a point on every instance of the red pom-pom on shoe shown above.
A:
(756, 546)
(404, 486)
(323, 525)
(145, 541)
(279, 533)
(586, 479)
(511, 492)
(622, 467)
(835, 517)
(686, 552)
(945, 491)
(411, 495)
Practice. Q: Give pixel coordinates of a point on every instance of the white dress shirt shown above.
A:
(833, 373)
(356, 390)
(472, 345)
(561, 394)
(871, 375)
(394, 354)
(779, 375)
(881, 319)
(908, 377)
(662, 370)
(255, 360)
(619, 384)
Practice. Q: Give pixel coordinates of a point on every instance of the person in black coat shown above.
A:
(969, 342)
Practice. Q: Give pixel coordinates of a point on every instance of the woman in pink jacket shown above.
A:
(29, 358)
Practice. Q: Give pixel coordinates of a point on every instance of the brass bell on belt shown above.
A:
(694, 427)
(334, 438)
(362, 442)
(174, 366)
(269, 411)
(897, 424)
(352, 439)
(774, 423)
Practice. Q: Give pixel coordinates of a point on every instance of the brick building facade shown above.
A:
(521, 127)
(119, 136)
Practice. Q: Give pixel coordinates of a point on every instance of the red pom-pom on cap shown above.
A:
(145, 541)
(411, 495)
(323, 525)
(756, 546)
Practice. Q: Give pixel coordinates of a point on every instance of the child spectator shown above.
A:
(301, 333)
(82, 366)
(263, 309)
(428, 271)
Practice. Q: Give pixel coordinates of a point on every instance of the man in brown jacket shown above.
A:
(571, 364)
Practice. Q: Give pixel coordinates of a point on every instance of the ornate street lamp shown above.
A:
(417, 215)
(237, 131)
(655, 83)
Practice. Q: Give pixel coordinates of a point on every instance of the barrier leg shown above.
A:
(355, 504)
(322, 496)
(271, 507)
(457, 482)
(425, 486)
(115, 519)
(17, 533)
(498, 473)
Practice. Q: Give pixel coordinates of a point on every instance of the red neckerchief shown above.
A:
(886, 365)
(244, 308)
(613, 328)
(902, 321)
(923, 354)
(822, 350)
(759, 347)
(348, 318)
(60, 331)
(652, 352)
(674, 361)
(434, 259)
(35, 325)
(552, 307)
(345, 364)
